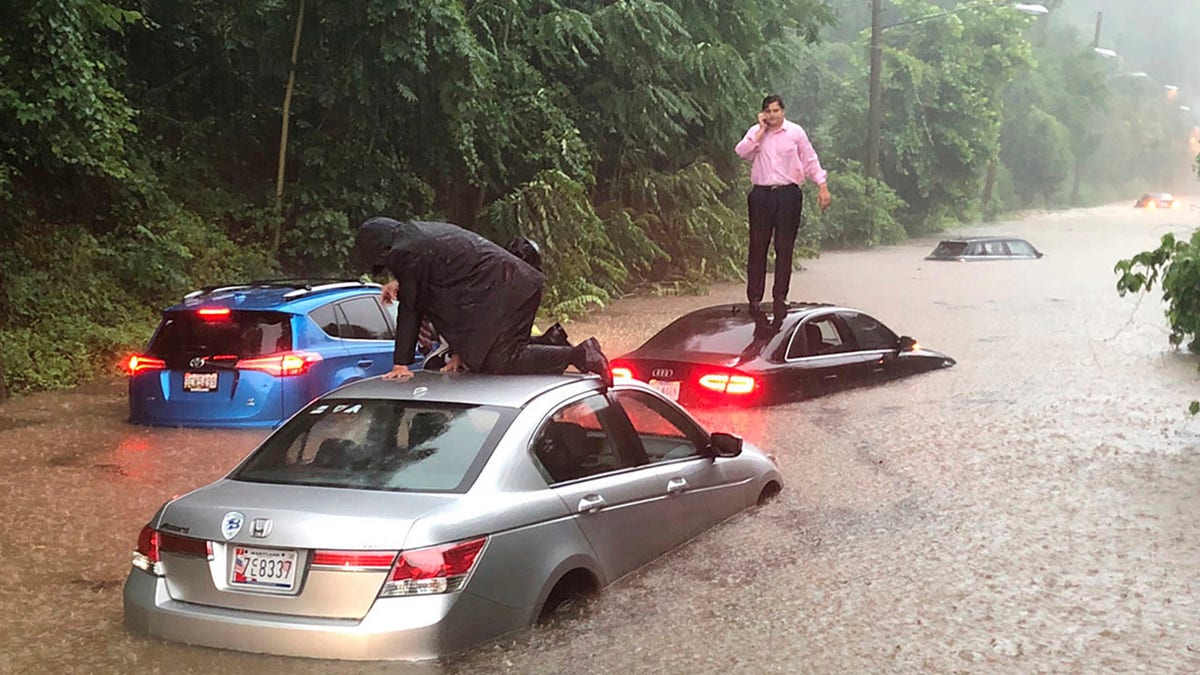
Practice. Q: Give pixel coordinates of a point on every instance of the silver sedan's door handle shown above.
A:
(591, 503)
(676, 485)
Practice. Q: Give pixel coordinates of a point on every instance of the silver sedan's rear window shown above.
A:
(380, 445)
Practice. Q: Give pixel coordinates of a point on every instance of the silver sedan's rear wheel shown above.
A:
(568, 595)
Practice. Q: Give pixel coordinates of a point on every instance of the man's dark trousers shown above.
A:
(513, 354)
(774, 212)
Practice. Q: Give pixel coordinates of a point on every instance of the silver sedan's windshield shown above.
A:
(380, 445)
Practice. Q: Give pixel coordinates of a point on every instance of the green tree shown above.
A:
(943, 86)
(1175, 266)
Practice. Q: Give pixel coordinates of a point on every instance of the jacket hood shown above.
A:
(373, 242)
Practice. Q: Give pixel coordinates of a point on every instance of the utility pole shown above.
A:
(875, 98)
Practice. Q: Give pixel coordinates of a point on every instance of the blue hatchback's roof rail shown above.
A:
(302, 286)
(326, 287)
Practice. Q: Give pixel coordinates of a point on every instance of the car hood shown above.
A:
(934, 354)
(300, 516)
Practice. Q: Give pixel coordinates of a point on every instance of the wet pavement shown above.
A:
(1034, 508)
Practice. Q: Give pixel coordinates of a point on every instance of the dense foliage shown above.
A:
(1175, 267)
(142, 145)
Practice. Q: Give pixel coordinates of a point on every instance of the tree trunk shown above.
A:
(3, 386)
(283, 134)
(1075, 186)
(989, 184)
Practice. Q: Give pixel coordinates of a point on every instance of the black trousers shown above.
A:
(774, 213)
(512, 353)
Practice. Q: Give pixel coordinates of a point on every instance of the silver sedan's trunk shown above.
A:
(290, 524)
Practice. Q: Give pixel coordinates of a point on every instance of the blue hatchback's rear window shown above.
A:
(241, 334)
(380, 445)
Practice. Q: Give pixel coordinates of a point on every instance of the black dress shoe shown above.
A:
(764, 329)
(594, 360)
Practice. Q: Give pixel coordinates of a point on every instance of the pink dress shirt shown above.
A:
(783, 156)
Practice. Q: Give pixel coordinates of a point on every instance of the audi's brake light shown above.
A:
(728, 383)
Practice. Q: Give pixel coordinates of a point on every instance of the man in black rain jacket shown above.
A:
(481, 298)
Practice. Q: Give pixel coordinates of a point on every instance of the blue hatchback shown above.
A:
(252, 355)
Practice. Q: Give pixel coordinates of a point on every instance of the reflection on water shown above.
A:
(1037, 507)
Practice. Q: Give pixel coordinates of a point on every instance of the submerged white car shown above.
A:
(409, 520)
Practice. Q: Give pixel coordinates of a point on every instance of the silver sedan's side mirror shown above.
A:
(724, 445)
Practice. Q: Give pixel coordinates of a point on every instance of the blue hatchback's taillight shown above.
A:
(286, 364)
(138, 363)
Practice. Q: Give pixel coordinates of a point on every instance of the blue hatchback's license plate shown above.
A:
(270, 569)
(200, 381)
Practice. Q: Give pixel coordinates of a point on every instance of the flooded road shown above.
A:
(1034, 508)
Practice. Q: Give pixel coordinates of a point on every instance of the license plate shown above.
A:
(669, 388)
(200, 381)
(272, 569)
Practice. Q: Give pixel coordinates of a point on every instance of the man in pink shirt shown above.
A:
(781, 158)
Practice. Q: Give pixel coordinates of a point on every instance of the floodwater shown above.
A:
(1034, 508)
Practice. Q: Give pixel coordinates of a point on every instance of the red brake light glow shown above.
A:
(213, 313)
(138, 363)
(354, 559)
(622, 374)
(282, 365)
(436, 569)
(152, 544)
(726, 383)
(173, 543)
(146, 556)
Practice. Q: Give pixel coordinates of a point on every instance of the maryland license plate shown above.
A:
(200, 381)
(270, 569)
(669, 388)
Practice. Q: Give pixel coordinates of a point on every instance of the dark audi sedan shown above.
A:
(719, 355)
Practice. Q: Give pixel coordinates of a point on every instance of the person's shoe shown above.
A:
(593, 360)
(762, 328)
(780, 310)
(556, 335)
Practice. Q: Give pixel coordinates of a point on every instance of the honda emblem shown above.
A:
(260, 527)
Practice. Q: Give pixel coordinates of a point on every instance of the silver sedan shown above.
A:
(409, 520)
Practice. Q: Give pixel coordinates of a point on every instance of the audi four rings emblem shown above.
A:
(662, 372)
(197, 362)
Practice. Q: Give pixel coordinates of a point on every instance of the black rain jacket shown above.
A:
(467, 286)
